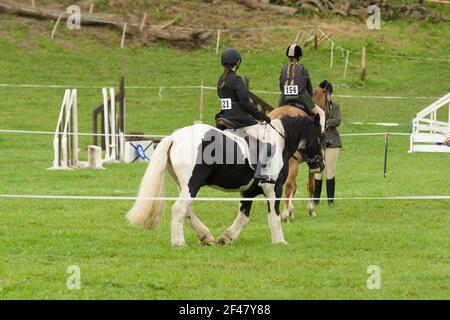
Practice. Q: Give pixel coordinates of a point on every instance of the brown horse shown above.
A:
(290, 187)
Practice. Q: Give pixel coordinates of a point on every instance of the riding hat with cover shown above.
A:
(294, 51)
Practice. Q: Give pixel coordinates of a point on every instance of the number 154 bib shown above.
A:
(290, 90)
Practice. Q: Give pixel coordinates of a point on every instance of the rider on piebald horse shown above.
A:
(236, 109)
(296, 88)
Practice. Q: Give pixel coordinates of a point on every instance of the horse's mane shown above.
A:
(296, 127)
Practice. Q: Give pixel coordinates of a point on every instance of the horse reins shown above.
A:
(276, 130)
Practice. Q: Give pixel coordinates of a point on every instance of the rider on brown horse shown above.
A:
(296, 88)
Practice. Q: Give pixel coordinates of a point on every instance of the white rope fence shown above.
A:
(129, 198)
(163, 136)
(80, 133)
(161, 88)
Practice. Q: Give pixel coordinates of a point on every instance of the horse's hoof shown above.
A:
(208, 241)
(312, 213)
(285, 219)
(179, 243)
(224, 239)
(282, 242)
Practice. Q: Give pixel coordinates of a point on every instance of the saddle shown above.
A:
(222, 124)
(300, 106)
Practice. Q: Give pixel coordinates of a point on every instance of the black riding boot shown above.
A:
(317, 191)
(261, 172)
(331, 183)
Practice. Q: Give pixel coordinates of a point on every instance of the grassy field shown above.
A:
(327, 256)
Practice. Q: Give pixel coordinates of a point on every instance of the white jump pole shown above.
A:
(74, 125)
(105, 117)
(68, 112)
(113, 124)
(58, 130)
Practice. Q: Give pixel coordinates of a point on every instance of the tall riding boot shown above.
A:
(261, 172)
(331, 183)
(317, 191)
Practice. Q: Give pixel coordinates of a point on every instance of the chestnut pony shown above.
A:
(290, 187)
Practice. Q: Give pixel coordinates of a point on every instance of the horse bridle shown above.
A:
(317, 158)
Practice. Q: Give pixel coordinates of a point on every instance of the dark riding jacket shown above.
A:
(302, 80)
(333, 120)
(235, 104)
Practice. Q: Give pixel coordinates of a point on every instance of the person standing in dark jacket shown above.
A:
(331, 152)
(236, 109)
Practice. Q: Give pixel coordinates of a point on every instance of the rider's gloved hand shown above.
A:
(324, 142)
(266, 119)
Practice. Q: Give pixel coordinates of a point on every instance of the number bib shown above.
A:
(225, 104)
(290, 90)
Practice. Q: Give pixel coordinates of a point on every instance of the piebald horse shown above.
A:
(192, 156)
(319, 98)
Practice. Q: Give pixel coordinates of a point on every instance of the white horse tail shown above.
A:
(147, 213)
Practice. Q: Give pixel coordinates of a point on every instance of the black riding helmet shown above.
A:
(325, 84)
(231, 57)
(294, 51)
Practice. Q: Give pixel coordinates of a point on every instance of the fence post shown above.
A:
(201, 101)
(297, 37)
(346, 63)
(363, 64)
(141, 27)
(123, 34)
(331, 54)
(56, 26)
(218, 42)
(386, 143)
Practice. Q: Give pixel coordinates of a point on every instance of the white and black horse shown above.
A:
(202, 155)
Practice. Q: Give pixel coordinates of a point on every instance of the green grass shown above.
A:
(327, 257)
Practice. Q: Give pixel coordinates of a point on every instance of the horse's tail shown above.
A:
(147, 213)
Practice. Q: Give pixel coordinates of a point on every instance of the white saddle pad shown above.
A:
(242, 145)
